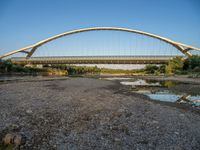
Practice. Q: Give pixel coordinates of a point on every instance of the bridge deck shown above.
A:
(94, 60)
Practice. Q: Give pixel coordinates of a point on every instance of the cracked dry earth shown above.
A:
(83, 113)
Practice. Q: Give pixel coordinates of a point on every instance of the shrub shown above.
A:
(175, 65)
(151, 69)
(192, 62)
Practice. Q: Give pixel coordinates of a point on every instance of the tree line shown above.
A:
(177, 65)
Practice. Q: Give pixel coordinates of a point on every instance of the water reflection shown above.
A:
(169, 84)
(117, 78)
(160, 90)
(171, 97)
(141, 82)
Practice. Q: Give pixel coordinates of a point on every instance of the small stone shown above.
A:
(154, 121)
(29, 111)
(176, 133)
(121, 110)
(54, 146)
(14, 127)
(17, 140)
(8, 139)
(14, 139)
(117, 140)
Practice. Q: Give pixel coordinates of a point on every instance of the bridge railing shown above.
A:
(94, 60)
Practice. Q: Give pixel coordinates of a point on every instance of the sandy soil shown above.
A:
(83, 113)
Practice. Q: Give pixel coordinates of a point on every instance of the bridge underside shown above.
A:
(94, 60)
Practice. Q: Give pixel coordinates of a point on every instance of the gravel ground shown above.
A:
(83, 113)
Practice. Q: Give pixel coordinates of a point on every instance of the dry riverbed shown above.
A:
(83, 113)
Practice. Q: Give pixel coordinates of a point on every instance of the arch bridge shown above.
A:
(31, 49)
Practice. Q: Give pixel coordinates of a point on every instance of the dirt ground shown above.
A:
(85, 113)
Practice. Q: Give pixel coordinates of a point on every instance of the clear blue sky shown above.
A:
(24, 22)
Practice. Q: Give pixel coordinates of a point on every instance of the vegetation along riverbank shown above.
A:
(176, 66)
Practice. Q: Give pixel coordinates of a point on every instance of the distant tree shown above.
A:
(151, 69)
(162, 68)
(192, 62)
(6, 66)
(45, 66)
(175, 65)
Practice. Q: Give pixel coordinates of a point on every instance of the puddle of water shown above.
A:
(160, 91)
(117, 78)
(164, 97)
(170, 97)
(140, 82)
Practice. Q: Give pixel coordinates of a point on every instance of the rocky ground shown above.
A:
(83, 113)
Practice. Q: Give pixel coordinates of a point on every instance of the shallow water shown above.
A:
(140, 82)
(117, 78)
(160, 91)
(167, 96)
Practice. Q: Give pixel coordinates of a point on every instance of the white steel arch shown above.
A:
(32, 48)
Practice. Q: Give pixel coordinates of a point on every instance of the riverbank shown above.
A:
(83, 113)
(29, 78)
(179, 78)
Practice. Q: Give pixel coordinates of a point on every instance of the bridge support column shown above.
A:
(31, 52)
(184, 50)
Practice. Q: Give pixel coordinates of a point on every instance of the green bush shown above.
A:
(162, 68)
(196, 69)
(175, 65)
(151, 69)
(6, 66)
(192, 62)
(78, 70)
